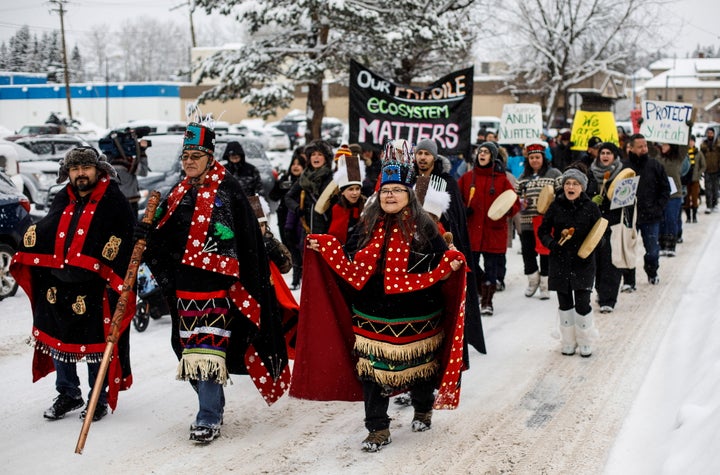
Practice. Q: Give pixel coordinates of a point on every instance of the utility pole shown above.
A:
(191, 7)
(61, 11)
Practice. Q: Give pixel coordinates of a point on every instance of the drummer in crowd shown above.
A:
(603, 171)
(567, 223)
(538, 173)
(480, 187)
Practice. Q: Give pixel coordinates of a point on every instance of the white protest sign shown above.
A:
(520, 123)
(625, 192)
(666, 122)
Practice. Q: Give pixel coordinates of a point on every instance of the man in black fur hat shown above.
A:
(72, 264)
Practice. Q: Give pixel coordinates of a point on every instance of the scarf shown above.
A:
(312, 180)
(598, 170)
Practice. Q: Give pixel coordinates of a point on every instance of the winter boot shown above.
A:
(544, 294)
(62, 405)
(533, 283)
(670, 241)
(101, 411)
(203, 434)
(487, 292)
(421, 421)
(567, 331)
(688, 216)
(662, 240)
(376, 440)
(586, 333)
(694, 214)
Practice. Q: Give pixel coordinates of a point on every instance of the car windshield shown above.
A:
(164, 152)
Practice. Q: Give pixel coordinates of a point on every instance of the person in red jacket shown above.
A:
(349, 202)
(480, 187)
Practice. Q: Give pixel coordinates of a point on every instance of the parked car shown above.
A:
(166, 169)
(37, 174)
(491, 124)
(14, 217)
(52, 147)
(269, 135)
(155, 126)
(294, 126)
(332, 129)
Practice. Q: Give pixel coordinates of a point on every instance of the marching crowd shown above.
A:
(397, 258)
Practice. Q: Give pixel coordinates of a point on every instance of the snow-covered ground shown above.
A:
(646, 402)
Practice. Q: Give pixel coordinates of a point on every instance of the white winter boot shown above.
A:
(533, 282)
(586, 333)
(567, 331)
(544, 294)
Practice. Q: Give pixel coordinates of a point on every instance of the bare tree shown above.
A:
(555, 44)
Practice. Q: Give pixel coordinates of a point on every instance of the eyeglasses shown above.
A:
(193, 157)
(392, 191)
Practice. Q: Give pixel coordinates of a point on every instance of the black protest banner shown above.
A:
(381, 110)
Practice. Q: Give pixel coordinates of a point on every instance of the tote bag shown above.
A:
(623, 242)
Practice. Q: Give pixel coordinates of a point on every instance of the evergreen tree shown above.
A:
(76, 65)
(20, 49)
(3, 57)
(301, 43)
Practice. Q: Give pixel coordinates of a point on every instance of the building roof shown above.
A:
(687, 73)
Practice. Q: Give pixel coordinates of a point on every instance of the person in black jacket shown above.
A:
(71, 264)
(427, 163)
(653, 193)
(304, 194)
(246, 173)
(566, 224)
(602, 172)
(291, 232)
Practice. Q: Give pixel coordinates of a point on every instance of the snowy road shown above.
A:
(525, 408)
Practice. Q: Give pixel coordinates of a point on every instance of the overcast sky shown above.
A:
(698, 18)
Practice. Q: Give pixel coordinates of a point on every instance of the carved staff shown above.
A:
(116, 322)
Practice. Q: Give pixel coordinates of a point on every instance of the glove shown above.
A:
(142, 231)
(689, 123)
(597, 199)
(640, 120)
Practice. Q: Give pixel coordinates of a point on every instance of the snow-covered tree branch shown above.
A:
(304, 42)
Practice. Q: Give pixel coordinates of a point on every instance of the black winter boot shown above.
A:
(670, 242)
(694, 214)
(486, 307)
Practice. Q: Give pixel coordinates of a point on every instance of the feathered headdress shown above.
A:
(200, 132)
(431, 191)
(397, 164)
(350, 171)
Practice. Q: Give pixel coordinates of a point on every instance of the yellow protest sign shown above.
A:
(588, 124)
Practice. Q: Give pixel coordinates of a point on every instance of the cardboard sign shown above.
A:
(625, 192)
(588, 124)
(666, 122)
(520, 123)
